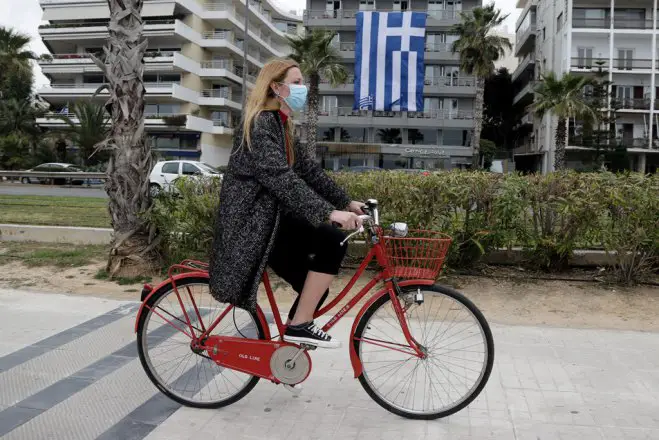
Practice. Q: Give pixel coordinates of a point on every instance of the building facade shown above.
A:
(577, 36)
(193, 66)
(437, 137)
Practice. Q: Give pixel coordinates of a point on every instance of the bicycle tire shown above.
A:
(167, 288)
(457, 296)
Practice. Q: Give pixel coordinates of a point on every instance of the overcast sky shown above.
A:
(25, 15)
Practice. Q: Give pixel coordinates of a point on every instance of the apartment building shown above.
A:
(437, 137)
(193, 66)
(575, 36)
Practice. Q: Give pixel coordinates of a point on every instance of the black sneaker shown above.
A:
(310, 333)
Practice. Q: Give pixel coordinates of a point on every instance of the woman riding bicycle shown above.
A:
(278, 208)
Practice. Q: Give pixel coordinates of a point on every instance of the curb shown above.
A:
(80, 235)
(55, 234)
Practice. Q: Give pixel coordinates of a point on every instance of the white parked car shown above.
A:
(165, 173)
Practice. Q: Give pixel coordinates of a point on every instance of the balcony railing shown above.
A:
(347, 47)
(618, 63)
(87, 56)
(216, 93)
(163, 84)
(605, 23)
(588, 142)
(219, 35)
(426, 114)
(447, 81)
(73, 24)
(351, 14)
(438, 47)
(631, 104)
(217, 64)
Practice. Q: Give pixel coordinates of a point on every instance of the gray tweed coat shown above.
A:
(258, 185)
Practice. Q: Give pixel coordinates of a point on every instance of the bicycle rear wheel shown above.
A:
(180, 371)
(457, 341)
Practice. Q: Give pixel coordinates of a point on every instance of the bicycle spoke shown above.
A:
(455, 354)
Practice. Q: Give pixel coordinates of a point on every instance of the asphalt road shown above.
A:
(46, 190)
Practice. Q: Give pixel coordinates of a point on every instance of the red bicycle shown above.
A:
(419, 349)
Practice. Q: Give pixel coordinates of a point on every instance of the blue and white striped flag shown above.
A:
(389, 68)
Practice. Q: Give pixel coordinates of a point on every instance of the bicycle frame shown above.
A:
(392, 287)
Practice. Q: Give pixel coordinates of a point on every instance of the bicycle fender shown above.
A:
(259, 312)
(354, 359)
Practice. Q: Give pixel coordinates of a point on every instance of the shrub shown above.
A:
(185, 218)
(547, 216)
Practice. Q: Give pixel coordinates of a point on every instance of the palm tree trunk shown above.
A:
(312, 115)
(129, 166)
(478, 121)
(561, 139)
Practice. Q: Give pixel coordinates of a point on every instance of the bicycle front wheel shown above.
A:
(173, 362)
(451, 331)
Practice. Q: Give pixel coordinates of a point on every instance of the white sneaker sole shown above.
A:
(322, 344)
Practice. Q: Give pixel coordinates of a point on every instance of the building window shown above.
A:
(417, 136)
(389, 136)
(328, 105)
(559, 21)
(544, 34)
(584, 57)
(325, 134)
(354, 134)
(401, 5)
(455, 138)
(366, 5)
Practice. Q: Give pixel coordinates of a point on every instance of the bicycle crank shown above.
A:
(290, 364)
(280, 362)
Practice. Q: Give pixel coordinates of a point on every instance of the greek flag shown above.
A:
(389, 70)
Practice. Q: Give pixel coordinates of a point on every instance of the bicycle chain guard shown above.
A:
(266, 359)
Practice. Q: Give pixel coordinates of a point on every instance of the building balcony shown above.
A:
(83, 63)
(347, 18)
(74, 90)
(438, 85)
(219, 98)
(526, 93)
(525, 40)
(257, 11)
(589, 24)
(619, 64)
(346, 116)
(579, 142)
(226, 39)
(631, 104)
(77, 30)
(152, 121)
(527, 63)
(225, 69)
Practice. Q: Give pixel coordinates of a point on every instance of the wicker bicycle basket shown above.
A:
(419, 255)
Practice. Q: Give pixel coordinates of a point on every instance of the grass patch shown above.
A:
(123, 281)
(51, 254)
(54, 211)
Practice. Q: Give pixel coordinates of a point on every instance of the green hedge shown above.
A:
(547, 216)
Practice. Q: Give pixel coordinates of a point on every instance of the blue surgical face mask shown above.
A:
(297, 97)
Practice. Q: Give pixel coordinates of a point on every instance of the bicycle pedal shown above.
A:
(308, 346)
(294, 389)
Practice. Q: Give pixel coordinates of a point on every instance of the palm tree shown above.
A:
(479, 50)
(15, 69)
(90, 129)
(318, 58)
(133, 242)
(564, 98)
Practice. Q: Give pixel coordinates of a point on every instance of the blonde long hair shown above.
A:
(262, 98)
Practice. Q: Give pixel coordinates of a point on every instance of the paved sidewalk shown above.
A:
(69, 371)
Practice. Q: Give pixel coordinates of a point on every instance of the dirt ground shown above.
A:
(503, 299)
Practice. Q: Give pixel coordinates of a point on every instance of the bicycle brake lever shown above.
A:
(358, 231)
